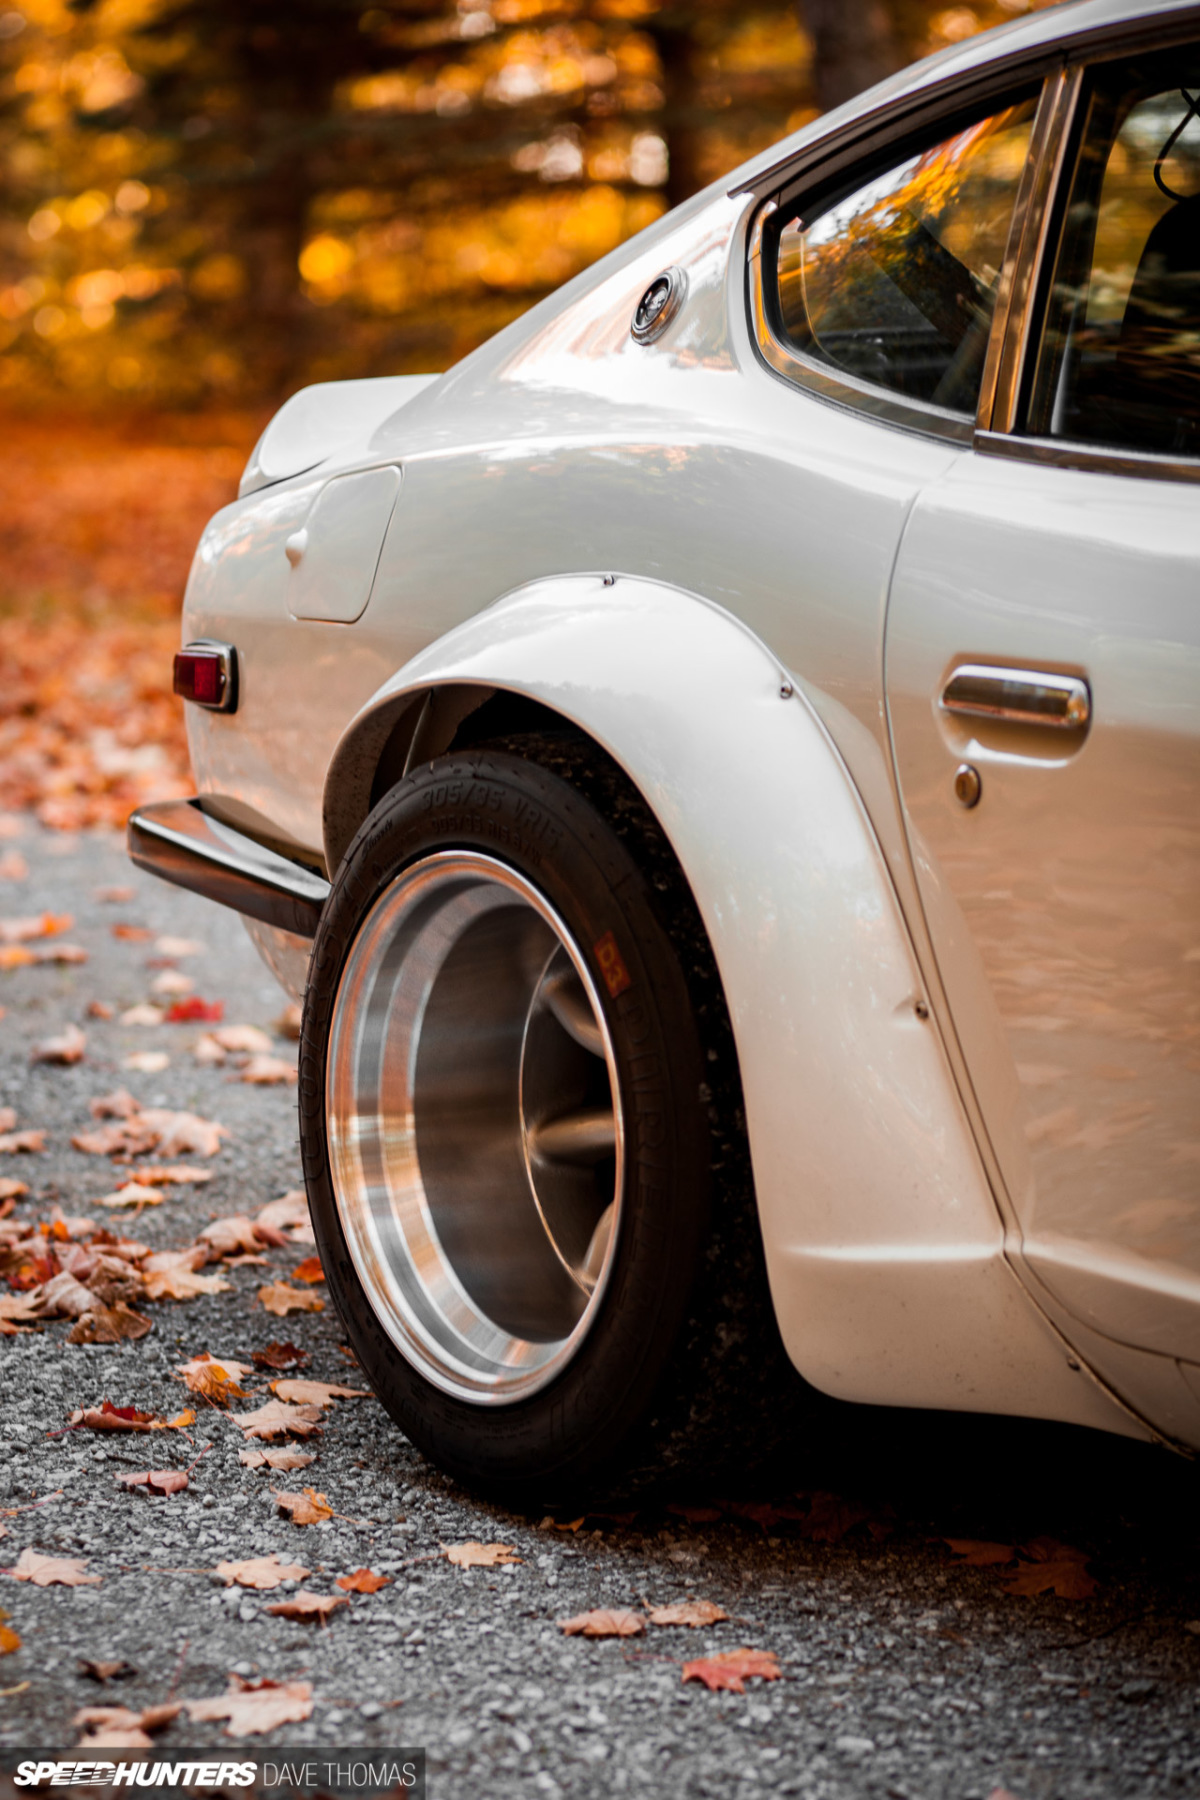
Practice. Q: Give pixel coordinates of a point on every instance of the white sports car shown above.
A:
(721, 765)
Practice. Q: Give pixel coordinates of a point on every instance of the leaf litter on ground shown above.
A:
(52, 1571)
(473, 1555)
(308, 1508)
(604, 1622)
(280, 1299)
(308, 1608)
(732, 1669)
(260, 1572)
(253, 1707)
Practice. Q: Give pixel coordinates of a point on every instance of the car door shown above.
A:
(1042, 671)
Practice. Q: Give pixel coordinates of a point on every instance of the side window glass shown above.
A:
(1119, 360)
(895, 283)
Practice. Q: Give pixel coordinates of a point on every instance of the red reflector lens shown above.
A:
(200, 676)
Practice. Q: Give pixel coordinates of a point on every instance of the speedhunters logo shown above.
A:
(282, 1775)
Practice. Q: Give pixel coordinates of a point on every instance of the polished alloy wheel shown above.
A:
(475, 1128)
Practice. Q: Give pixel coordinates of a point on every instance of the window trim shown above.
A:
(1002, 434)
(848, 391)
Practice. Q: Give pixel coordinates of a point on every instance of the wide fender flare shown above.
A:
(884, 1245)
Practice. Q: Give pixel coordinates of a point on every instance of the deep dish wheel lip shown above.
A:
(522, 1369)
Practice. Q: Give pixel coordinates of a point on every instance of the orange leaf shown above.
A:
(733, 1669)
(308, 1508)
(689, 1612)
(604, 1622)
(472, 1555)
(977, 1553)
(363, 1582)
(309, 1270)
(9, 1641)
(278, 1298)
(307, 1607)
(279, 1356)
(155, 1481)
(1068, 1579)
(52, 1571)
(260, 1572)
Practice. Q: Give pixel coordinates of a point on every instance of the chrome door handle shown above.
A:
(1022, 696)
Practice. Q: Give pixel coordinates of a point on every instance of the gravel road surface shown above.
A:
(903, 1673)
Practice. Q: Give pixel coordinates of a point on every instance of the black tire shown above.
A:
(682, 1368)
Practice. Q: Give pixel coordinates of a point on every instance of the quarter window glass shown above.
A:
(1119, 362)
(895, 283)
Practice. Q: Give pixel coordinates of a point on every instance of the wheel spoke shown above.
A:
(563, 994)
(578, 1137)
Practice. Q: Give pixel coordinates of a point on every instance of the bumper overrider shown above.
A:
(179, 841)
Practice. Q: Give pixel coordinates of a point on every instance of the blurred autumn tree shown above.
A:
(209, 200)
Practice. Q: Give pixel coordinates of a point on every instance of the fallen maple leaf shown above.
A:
(276, 1459)
(249, 1040)
(111, 1418)
(978, 1553)
(117, 1728)
(472, 1555)
(363, 1581)
(155, 1481)
(184, 1133)
(112, 896)
(9, 1641)
(194, 1010)
(118, 1105)
(172, 1275)
(172, 1175)
(17, 1310)
(213, 1380)
(604, 1622)
(124, 1137)
(1054, 1568)
(279, 1356)
(732, 1669)
(303, 1392)
(277, 1418)
(307, 1607)
(226, 1237)
(66, 1048)
(132, 1193)
(289, 1213)
(20, 931)
(12, 1190)
(172, 981)
(287, 1025)
(146, 1062)
(269, 1071)
(252, 1707)
(142, 1014)
(113, 1324)
(179, 946)
(13, 1143)
(308, 1508)
(52, 1571)
(117, 1670)
(309, 1270)
(278, 1298)
(64, 1297)
(132, 934)
(260, 1572)
(689, 1612)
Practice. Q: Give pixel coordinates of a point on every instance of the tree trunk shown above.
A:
(854, 45)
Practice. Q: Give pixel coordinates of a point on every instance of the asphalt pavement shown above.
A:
(902, 1672)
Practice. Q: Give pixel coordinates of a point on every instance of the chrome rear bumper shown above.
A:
(177, 840)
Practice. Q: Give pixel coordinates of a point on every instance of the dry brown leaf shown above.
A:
(280, 1299)
(108, 1417)
(279, 1356)
(131, 934)
(118, 1105)
(112, 896)
(308, 1608)
(289, 1213)
(269, 1071)
(132, 1193)
(21, 931)
(8, 1118)
(252, 1707)
(260, 1572)
(226, 1237)
(207, 1052)
(117, 1728)
(214, 1380)
(123, 1137)
(10, 1189)
(18, 1308)
(13, 1143)
(689, 1612)
(184, 1133)
(65, 1048)
(287, 1025)
(248, 1040)
(142, 1014)
(303, 1392)
(155, 1481)
(1053, 1568)
(277, 1419)
(116, 1670)
(363, 1581)
(172, 981)
(113, 1324)
(472, 1555)
(309, 1270)
(604, 1622)
(180, 946)
(172, 1175)
(308, 1508)
(732, 1669)
(172, 1275)
(13, 866)
(9, 1641)
(978, 1553)
(276, 1459)
(146, 1062)
(64, 1297)
(52, 1571)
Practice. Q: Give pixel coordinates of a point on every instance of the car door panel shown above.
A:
(1065, 905)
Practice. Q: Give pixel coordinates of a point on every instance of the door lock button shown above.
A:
(968, 785)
